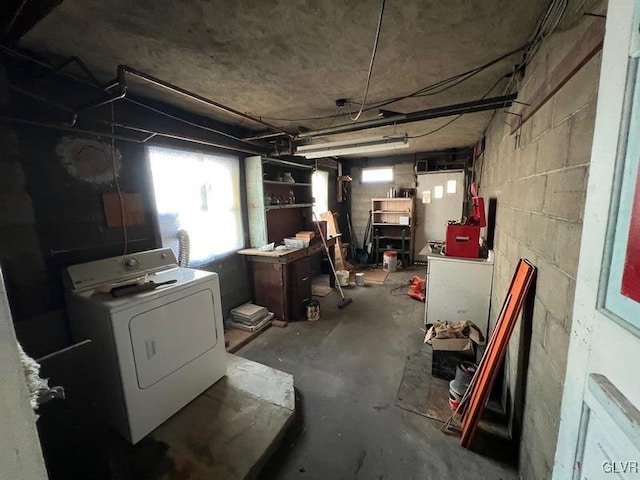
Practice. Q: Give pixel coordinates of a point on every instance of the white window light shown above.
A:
(438, 191)
(200, 194)
(452, 186)
(320, 191)
(354, 147)
(377, 175)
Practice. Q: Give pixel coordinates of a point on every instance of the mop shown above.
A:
(345, 301)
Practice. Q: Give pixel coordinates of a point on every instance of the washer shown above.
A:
(156, 350)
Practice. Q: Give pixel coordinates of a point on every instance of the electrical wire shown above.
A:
(373, 57)
(545, 27)
(445, 84)
(115, 179)
(457, 116)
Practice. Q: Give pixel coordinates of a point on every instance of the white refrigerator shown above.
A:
(439, 198)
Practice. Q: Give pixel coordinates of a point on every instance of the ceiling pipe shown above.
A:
(150, 134)
(446, 111)
(15, 17)
(124, 69)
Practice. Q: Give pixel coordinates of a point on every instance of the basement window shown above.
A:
(198, 194)
(377, 175)
(320, 192)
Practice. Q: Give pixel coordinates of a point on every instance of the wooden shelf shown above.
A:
(288, 205)
(264, 179)
(296, 184)
(387, 213)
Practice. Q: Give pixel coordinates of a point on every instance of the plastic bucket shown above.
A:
(343, 277)
(360, 279)
(389, 261)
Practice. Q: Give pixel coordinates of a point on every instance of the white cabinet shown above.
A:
(459, 289)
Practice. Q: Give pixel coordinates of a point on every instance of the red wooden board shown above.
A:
(487, 372)
(631, 273)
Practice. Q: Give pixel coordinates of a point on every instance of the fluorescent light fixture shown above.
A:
(353, 147)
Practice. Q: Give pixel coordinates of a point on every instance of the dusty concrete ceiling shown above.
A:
(287, 59)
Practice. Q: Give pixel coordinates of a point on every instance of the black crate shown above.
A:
(444, 362)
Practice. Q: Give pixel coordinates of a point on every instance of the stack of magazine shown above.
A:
(249, 317)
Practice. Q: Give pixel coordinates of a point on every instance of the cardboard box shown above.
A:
(448, 352)
(307, 235)
(404, 220)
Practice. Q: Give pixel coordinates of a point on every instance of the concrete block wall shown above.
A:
(362, 193)
(539, 178)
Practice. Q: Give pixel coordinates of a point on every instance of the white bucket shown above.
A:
(389, 261)
(343, 277)
(360, 279)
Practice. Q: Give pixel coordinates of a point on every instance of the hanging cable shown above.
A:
(115, 179)
(444, 85)
(373, 57)
(457, 116)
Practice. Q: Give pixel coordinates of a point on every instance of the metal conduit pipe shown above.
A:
(117, 82)
(188, 139)
(122, 92)
(122, 69)
(68, 128)
(446, 111)
(263, 136)
(151, 134)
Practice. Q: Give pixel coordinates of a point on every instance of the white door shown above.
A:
(439, 199)
(600, 417)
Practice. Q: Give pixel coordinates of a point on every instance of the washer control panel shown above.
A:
(118, 269)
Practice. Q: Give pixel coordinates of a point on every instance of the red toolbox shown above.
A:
(463, 241)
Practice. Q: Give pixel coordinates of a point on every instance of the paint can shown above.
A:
(343, 277)
(464, 374)
(360, 279)
(389, 261)
(313, 310)
(454, 397)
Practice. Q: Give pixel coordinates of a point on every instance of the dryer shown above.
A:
(156, 350)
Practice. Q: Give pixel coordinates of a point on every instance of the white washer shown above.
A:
(157, 350)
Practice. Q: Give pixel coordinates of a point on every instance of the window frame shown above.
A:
(192, 149)
(390, 167)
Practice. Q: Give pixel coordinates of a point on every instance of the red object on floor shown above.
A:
(417, 288)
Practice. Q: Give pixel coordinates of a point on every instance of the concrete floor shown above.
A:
(347, 368)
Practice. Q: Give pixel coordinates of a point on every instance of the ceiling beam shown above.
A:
(438, 112)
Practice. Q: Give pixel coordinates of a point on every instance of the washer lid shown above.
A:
(184, 277)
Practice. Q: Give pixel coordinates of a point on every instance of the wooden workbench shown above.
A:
(282, 279)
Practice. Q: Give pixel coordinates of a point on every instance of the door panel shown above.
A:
(168, 337)
(599, 432)
(432, 216)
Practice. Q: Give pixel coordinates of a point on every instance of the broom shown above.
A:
(345, 301)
